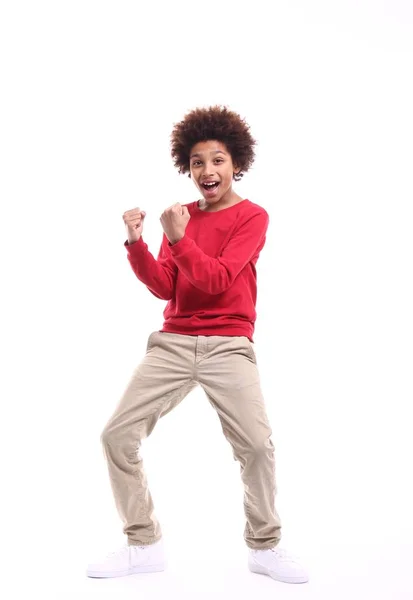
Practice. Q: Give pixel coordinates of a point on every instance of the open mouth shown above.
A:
(212, 185)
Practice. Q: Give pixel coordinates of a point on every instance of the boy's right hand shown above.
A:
(133, 220)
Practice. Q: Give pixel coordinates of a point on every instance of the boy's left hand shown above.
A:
(174, 221)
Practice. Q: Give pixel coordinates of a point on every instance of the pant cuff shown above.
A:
(263, 546)
(147, 543)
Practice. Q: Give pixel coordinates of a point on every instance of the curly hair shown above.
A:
(214, 123)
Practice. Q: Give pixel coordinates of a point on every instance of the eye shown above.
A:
(219, 160)
(196, 163)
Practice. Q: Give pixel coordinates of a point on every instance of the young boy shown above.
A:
(206, 271)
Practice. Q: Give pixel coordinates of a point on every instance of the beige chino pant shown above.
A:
(226, 368)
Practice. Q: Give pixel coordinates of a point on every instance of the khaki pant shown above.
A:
(226, 368)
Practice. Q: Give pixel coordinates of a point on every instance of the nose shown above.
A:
(207, 170)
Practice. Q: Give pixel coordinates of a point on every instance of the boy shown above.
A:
(206, 271)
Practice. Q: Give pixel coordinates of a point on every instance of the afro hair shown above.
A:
(213, 123)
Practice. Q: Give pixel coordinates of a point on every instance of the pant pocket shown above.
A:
(151, 340)
(250, 348)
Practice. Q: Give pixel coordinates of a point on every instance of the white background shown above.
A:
(90, 93)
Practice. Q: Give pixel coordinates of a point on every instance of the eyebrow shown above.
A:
(215, 152)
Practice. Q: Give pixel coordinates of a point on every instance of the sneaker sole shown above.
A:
(284, 579)
(133, 571)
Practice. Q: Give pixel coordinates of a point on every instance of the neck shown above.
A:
(222, 203)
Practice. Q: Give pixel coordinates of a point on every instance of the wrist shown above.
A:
(175, 240)
(130, 242)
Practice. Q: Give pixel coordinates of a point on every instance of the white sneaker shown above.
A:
(129, 560)
(277, 564)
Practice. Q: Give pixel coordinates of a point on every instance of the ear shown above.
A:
(237, 169)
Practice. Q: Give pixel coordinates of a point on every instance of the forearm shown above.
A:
(204, 272)
(215, 275)
(156, 276)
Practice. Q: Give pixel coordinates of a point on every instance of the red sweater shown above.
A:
(209, 276)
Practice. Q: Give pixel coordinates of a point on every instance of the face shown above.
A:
(211, 163)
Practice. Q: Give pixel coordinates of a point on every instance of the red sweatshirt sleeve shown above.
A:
(215, 275)
(159, 276)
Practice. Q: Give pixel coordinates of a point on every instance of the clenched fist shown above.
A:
(133, 220)
(174, 221)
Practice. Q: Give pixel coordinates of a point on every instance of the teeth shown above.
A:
(209, 184)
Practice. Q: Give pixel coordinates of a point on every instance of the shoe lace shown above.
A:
(123, 550)
(117, 552)
(283, 554)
